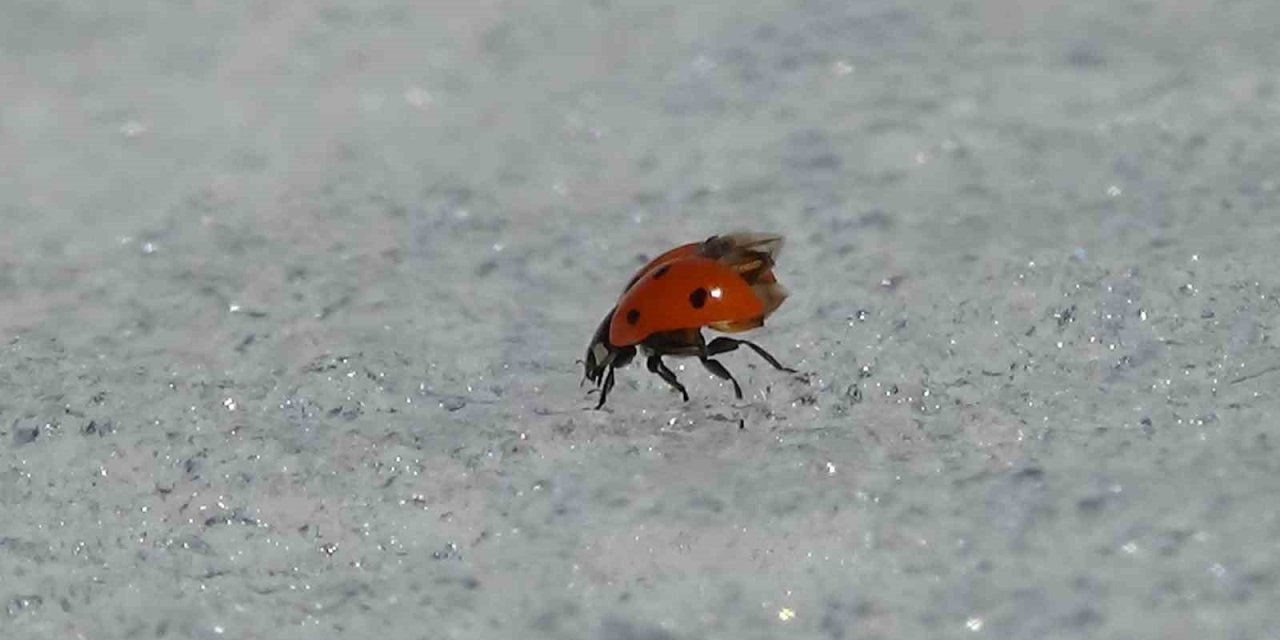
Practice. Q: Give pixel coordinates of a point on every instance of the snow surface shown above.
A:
(291, 295)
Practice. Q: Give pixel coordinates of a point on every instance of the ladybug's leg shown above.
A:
(656, 365)
(604, 390)
(718, 369)
(725, 345)
(714, 366)
(619, 358)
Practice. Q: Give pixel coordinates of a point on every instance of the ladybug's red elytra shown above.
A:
(725, 283)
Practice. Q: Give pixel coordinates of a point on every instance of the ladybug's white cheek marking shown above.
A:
(599, 351)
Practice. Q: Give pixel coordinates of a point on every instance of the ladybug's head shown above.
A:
(601, 354)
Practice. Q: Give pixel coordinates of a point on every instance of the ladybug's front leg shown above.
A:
(618, 358)
(608, 384)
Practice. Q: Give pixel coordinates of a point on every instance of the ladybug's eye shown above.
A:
(698, 298)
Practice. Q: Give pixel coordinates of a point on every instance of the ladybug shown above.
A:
(725, 283)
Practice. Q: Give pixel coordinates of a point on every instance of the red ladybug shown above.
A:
(725, 283)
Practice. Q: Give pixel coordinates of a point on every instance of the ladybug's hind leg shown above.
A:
(657, 366)
(725, 345)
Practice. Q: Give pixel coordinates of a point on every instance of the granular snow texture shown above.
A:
(291, 296)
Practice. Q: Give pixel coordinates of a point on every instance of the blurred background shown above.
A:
(291, 294)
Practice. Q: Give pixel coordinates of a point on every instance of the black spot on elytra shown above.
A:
(662, 271)
(698, 298)
(633, 316)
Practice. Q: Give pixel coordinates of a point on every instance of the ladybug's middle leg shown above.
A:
(725, 345)
(718, 369)
(656, 365)
(714, 366)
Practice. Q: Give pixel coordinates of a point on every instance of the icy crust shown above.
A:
(1106, 418)
(289, 308)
